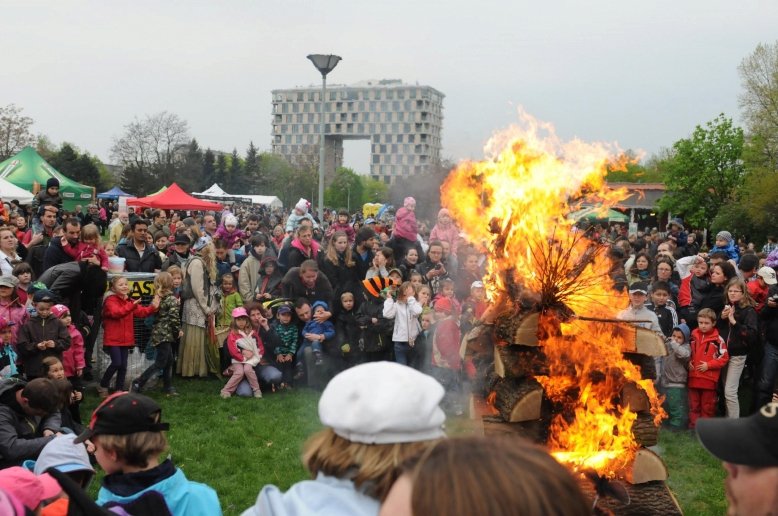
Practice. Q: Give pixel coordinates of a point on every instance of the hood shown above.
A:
(683, 329)
(268, 259)
(11, 384)
(322, 304)
(63, 454)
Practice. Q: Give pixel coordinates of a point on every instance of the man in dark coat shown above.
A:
(306, 281)
(139, 255)
(55, 254)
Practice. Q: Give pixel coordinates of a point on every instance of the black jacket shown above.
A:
(55, 255)
(34, 331)
(21, 436)
(149, 262)
(292, 288)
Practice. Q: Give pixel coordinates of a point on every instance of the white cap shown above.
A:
(768, 275)
(381, 403)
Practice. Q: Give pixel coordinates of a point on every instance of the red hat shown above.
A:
(443, 304)
(59, 310)
(5, 323)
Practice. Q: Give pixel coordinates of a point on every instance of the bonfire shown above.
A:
(553, 319)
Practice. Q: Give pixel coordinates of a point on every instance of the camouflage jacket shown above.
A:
(168, 321)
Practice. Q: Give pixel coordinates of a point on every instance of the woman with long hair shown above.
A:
(339, 266)
(199, 354)
(8, 245)
(739, 327)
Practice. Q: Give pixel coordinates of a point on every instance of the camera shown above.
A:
(438, 266)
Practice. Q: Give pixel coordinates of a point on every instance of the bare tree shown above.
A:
(14, 131)
(153, 147)
(759, 101)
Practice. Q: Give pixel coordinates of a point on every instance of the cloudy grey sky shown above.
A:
(642, 74)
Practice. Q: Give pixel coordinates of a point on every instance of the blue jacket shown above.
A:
(731, 250)
(182, 496)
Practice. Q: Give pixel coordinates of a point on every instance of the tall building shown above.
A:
(402, 121)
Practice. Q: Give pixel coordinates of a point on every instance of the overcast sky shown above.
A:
(642, 74)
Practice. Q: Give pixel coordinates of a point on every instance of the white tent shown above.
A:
(10, 192)
(215, 192)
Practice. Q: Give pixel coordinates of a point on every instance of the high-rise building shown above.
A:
(402, 121)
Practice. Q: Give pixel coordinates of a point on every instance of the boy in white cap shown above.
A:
(370, 431)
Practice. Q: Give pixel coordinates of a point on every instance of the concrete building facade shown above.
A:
(403, 123)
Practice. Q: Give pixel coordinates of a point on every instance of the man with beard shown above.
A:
(55, 254)
(748, 449)
(306, 281)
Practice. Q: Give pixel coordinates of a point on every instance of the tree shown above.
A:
(704, 172)
(759, 101)
(220, 175)
(255, 182)
(627, 168)
(346, 190)
(190, 177)
(14, 131)
(374, 191)
(153, 146)
(209, 168)
(78, 166)
(236, 181)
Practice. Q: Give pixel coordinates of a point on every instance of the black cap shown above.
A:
(749, 441)
(124, 413)
(44, 296)
(182, 238)
(52, 182)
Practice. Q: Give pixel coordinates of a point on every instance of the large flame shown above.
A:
(516, 205)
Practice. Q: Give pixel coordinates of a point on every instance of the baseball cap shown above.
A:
(44, 296)
(402, 404)
(8, 281)
(768, 275)
(28, 488)
(63, 454)
(59, 310)
(5, 323)
(748, 441)
(284, 309)
(124, 413)
(477, 284)
(239, 312)
(182, 238)
(639, 287)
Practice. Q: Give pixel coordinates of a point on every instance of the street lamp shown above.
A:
(325, 63)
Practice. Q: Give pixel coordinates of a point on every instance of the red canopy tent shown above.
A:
(173, 198)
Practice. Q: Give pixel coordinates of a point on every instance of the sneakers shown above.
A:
(257, 394)
(318, 360)
(135, 386)
(102, 391)
(225, 395)
(170, 392)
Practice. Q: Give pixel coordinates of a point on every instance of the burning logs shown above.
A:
(519, 361)
(518, 399)
(644, 430)
(647, 467)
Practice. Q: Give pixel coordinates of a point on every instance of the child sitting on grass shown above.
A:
(242, 346)
(288, 334)
(315, 333)
(127, 432)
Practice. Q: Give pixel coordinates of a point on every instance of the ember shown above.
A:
(554, 335)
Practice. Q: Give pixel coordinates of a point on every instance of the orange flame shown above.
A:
(515, 205)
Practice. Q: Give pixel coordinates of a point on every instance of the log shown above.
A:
(519, 400)
(521, 328)
(535, 431)
(645, 431)
(651, 498)
(645, 363)
(519, 361)
(634, 398)
(647, 467)
(635, 339)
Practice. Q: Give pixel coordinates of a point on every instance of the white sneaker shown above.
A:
(226, 395)
(258, 394)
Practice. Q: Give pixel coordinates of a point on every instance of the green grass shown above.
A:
(241, 444)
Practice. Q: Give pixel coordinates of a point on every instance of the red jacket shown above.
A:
(445, 344)
(73, 358)
(118, 329)
(710, 348)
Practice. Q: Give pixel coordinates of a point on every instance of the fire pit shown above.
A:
(554, 362)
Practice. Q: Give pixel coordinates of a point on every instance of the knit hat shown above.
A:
(61, 453)
(59, 310)
(28, 488)
(748, 441)
(230, 220)
(124, 413)
(376, 284)
(724, 235)
(321, 304)
(409, 201)
(683, 328)
(302, 205)
(443, 212)
(401, 405)
(239, 312)
(476, 284)
(52, 182)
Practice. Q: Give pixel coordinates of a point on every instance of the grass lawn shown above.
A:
(239, 445)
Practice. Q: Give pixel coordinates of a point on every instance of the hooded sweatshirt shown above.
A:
(445, 232)
(676, 363)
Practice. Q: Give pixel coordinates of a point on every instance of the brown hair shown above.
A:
(163, 284)
(175, 270)
(401, 291)
(372, 467)
(134, 449)
(746, 300)
(90, 232)
(707, 313)
(332, 254)
(522, 479)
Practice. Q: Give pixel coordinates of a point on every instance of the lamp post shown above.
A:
(325, 63)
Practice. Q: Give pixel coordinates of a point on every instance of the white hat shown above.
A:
(768, 275)
(477, 284)
(381, 403)
(302, 205)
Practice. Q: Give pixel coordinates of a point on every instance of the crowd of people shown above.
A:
(269, 300)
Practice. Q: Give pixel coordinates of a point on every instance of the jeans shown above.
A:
(118, 366)
(163, 363)
(767, 375)
(731, 384)
(403, 353)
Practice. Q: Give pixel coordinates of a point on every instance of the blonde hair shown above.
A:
(134, 449)
(115, 280)
(175, 270)
(163, 284)
(208, 255)
(372, 467)
(90, 232)
(332, 254)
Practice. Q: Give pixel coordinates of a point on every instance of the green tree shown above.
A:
(209, 168)
(220, 174)
(78, 166)
(704, 172)
(373, 191)
(627, 168)
(759, 102)
(346, 190)
(255, 183)
(191, 167)
(236, 180)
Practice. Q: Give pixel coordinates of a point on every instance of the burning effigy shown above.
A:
(552, 357)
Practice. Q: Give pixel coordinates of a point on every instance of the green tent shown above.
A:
(28, 169)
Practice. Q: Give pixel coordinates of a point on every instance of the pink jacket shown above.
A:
(446, 233)
(346, 228)
(73, 357)
(16, 313)
(405, 224)
(223, 234)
